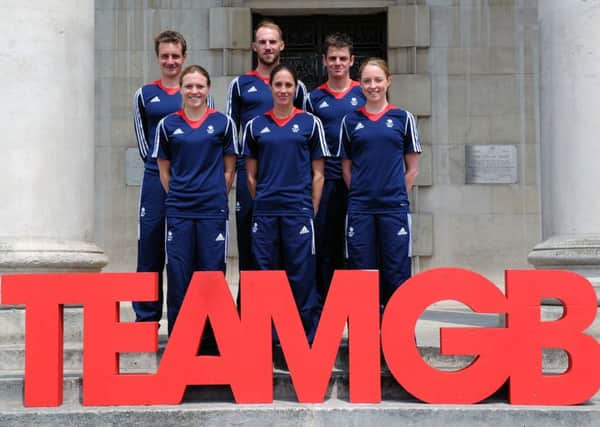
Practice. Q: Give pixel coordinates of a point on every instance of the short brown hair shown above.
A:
(194, 69)
(267, 23)
(170, 36)
(338, 41)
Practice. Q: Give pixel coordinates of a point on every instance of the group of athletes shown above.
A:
(322, 177)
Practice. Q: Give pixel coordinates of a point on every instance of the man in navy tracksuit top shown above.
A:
(380, 151)
(196, 156)
(151, 103)
(248, 96)
(330, 102)
(285, 171)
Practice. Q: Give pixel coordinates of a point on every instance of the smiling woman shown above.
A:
(380, 145)
(283, 87)
(195, 85)
(284, 150)
(375, 80)
(196, 148)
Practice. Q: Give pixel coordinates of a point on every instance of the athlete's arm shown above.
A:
(232, 102)
(347, 171)
(229, 170)
(230, 152)
(309, 106)
(411, 162)
(164, 170)
(251, 171)
(345, 151)
(140, 125)
(318, 178)
(210, 101)
(301, 96)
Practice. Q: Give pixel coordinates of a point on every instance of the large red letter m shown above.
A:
(353, 298)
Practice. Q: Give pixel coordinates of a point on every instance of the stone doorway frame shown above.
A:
(408, 39)
(304, 36)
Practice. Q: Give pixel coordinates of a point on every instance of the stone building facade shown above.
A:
(468, 70)
(505, 92)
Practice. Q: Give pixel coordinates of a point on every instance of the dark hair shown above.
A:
(339, 41)
(282, 67)
(170, 36)
(267, 23)
(194, 69)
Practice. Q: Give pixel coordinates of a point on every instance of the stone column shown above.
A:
(570, 152)
(47, 110)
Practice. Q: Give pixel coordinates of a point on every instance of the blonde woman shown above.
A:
(380, 148)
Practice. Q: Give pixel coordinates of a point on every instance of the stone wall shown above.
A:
(125, 60)
(467, 69)
(482, 61)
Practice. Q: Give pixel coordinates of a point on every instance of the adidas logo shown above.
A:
(402, 232)
(323, 104)
(252, 89)
(220, 238)
(177, 131)
(155, 99)
(265, 130)
(359, 126)
(304, 230)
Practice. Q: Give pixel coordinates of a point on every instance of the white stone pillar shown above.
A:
(569, 126)
(47, 113)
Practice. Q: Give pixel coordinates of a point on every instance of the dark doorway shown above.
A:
(303, 36)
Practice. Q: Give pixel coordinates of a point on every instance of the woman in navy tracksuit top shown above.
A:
(284, 150)
(380, 146)
(196, 149)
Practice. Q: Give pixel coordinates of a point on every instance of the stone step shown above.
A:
(331, 413)
(11, 389)
(12, 320)
(212, 406)
(12, 358)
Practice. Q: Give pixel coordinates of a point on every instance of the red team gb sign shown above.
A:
(245, 363)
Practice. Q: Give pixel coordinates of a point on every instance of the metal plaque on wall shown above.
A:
(491, 164)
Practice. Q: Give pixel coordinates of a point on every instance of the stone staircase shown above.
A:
(213, 405)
